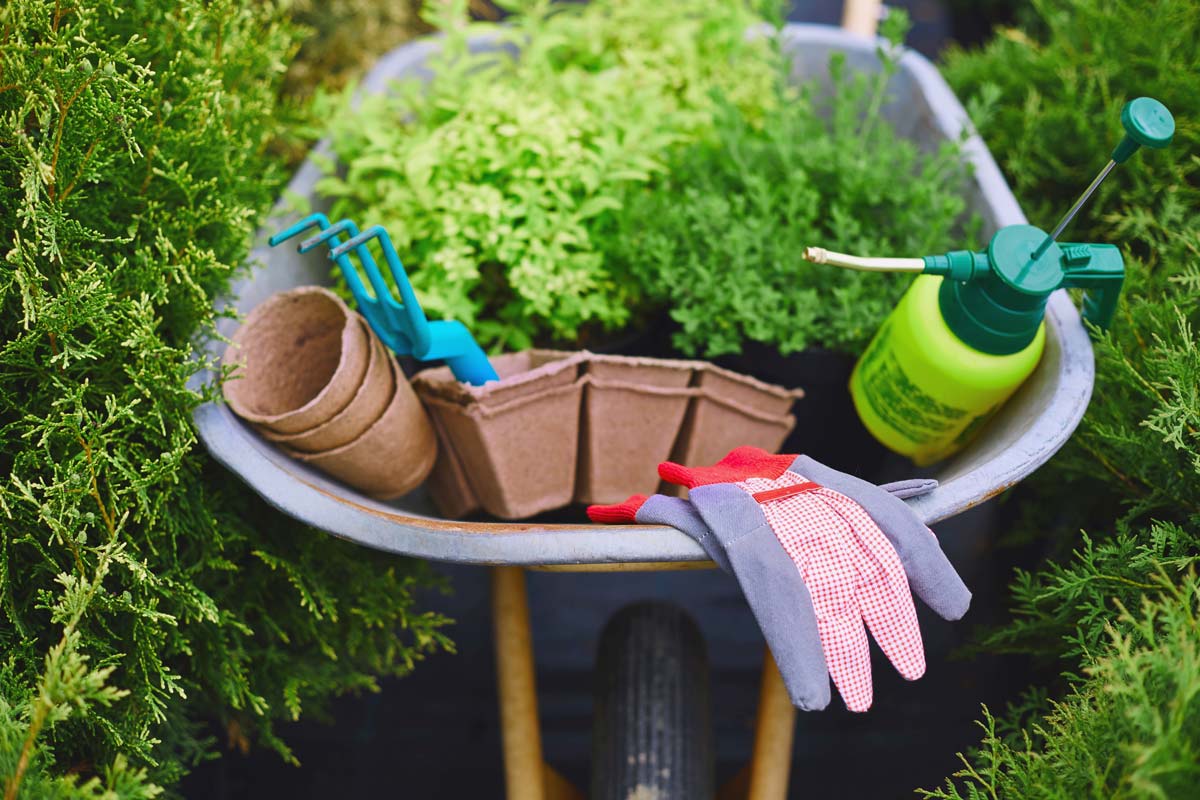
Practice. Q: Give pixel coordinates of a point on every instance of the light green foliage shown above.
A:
(1055, 94)
(720, 239)
(493, 178)
(1130, 728)
(141, 588)
(67, 686)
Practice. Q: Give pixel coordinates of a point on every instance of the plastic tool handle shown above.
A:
(1147, 122)
(455, 345)
(1100, 270)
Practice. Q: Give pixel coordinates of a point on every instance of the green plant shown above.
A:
(1128, 729)
(143, 591)
(1054, 93)
(720, 238)
(493, 178)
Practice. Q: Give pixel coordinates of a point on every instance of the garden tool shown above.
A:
(402, 325)
(970, 329)
(817, 553)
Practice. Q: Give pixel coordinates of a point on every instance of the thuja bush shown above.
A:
(1127, 728)
(1055, 90)
(142, 590)
(494, 177)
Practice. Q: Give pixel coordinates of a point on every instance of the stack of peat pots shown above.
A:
(311, 376)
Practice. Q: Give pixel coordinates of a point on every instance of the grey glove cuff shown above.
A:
(913, 487)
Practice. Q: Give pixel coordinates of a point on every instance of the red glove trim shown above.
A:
(741, 463)
(785, 491)
(618, 512)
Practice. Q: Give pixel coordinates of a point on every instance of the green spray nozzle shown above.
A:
(1148, 123)
(995, 300)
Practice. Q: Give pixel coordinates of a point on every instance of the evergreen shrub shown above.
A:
(143, 591)
(719, 239)
(1050, 95)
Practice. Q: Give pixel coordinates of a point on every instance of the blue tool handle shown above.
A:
(402, 326)
(472, 367)
(455, 345)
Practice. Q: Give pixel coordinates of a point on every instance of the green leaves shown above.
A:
(142, 591)
(720, 238)
(1127, 730)
(1055, 107)
(496, 178)
(1052, 99)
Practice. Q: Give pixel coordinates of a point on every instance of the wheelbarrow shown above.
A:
(1033, 425)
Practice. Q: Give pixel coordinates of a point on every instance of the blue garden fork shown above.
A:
(402, 326)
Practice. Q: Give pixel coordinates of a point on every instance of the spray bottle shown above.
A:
(971, 328)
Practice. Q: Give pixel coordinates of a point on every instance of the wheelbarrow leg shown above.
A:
(773, 731)
(526, 775)
(766, 776)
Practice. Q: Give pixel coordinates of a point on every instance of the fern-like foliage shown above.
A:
(142, 590)
(1054, 95)
(494, 177)
(719, 239)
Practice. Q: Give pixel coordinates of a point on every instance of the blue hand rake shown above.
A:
(402, 326)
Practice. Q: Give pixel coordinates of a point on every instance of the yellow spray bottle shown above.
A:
(971, 328)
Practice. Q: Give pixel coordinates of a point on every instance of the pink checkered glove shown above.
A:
(848, 565)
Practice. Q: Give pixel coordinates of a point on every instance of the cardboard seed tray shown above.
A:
(632, 411)
(730, 410)
(577, 427)
(298, 359)
(393, 456)
(364, 408)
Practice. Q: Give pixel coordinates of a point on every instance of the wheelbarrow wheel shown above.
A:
(652, 729)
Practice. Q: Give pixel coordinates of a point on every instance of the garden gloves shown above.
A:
(821, 556)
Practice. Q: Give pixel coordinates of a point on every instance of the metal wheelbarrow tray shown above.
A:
(1031, 427)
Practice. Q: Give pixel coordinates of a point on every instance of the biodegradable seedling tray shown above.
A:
(585, 428)
(391, 457)
(730, 410)
(447, 483)
(364, 408)
(298, 360)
